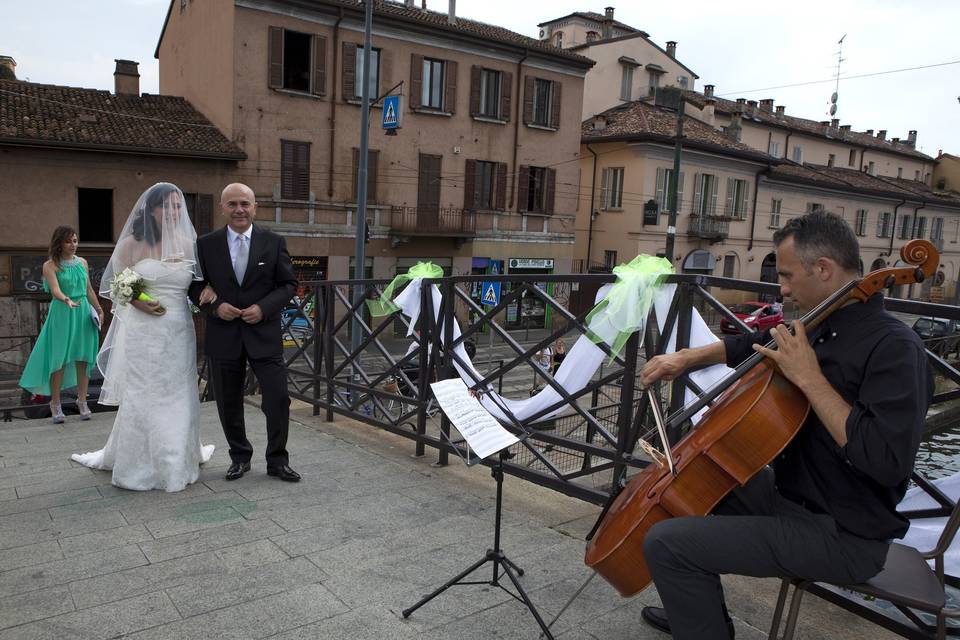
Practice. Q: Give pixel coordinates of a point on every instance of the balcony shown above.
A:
(708, 227)
(451, 223)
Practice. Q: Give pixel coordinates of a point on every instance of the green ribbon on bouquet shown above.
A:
(385, 305)
(626, 307)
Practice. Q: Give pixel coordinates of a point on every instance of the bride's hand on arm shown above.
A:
(208, 295)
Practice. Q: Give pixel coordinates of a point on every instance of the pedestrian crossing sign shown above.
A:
(391, 112)
(490, 293)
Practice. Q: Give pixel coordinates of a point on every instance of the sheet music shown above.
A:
(480, 429)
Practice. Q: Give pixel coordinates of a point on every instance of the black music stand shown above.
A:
(495, 556)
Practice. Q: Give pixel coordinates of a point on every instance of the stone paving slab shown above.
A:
(367, 533)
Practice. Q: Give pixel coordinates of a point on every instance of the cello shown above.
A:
(757, 412)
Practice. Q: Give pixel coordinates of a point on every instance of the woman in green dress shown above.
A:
(66, 349)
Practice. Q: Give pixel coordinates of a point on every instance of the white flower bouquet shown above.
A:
(128, 285)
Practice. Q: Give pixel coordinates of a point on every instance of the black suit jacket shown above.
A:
(269, 282)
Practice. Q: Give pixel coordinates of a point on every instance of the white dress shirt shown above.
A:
(232, 243)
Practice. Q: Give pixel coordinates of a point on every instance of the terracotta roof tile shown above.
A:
(851, 179)
(42, 113)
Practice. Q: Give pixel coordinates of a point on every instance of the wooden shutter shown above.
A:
(661, 193)
(555, 107)
(550, 191)
(698, 193)
(604, 187)
(319, 65)
(450, 86)
(679, 204)
(501, 202)
(506, 93)
(476, 73)
(713, 195)
(383, 73)
(349, 73)
(275, 58)
(730, 207)
(204, 213)
(294, 170)
(470, 185)
(416, 80)
(529, 86)
(523, 188)
(373, 160)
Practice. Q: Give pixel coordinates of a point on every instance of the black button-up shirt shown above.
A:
(879, 366)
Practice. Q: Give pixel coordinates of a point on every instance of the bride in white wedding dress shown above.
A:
(148, 358)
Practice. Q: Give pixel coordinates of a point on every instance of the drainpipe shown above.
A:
(593, 192)
(893, 224)
(333, 98)
(518, 115)
(756, 196)
(786, 145)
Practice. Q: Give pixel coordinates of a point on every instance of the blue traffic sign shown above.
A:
(391, 112)
(490, 293)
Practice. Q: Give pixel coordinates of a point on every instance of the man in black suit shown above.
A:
(250, 272)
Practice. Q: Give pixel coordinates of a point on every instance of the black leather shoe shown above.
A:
(237, 469)
(285, 473)
(656, 617)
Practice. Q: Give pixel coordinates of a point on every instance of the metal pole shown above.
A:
(675, 182)
(359, 257)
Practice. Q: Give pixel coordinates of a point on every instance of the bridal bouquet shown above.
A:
(128, 285)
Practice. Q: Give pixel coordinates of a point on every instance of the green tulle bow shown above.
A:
(385, 305)
(625, 308)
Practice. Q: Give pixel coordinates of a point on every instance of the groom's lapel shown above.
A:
(222, 245)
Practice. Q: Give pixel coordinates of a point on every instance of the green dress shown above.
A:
(68, 335)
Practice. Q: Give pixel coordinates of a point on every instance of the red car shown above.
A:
(759, 316)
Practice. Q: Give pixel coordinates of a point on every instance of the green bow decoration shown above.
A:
(385, 305)
(625, 308)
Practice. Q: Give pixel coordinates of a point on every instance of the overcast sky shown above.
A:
(738, 47)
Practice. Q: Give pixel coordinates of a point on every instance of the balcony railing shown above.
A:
(421, 222)
(713, 228)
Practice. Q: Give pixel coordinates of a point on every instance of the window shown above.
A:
(592, 35)
(906, 227)
(860, 223)
(899, 172)
(626, 83)
(664, 176)
(542, 102)
(813, 207)
(490, 93)
(654, 81)
(374, 73)
(831, 159)
(775, 206)
(773, 148)
(95, 215)
(705, 194)
(558, 39)
(852, 162)
(485, 185)
(736, 206)
(609, 259)
(537, 189)
(729, 265)
(921, 229)
(871, 169)
(612, 188)
(683, 81)
(936, 229)
(373, 160)
(431, 94)
(297, 61)
(916, 175)
(883, 224)
(294, 170)
(798, 154)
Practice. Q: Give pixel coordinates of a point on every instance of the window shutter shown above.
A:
(319, 65)
(450, 86)
(523, 188)
(383, 72)
(713, 195)
(349, 73)
(661, 196)
(476, 73)
(698, 193)
(373, 160)
(604, 188)
(529, 86)
(501, 203)
(729, 207)
(680, 192)
(275, 58)
(204, 214)
(506, 95)
(551, 190)
(302, 171)
(294, 170)
(470, 185)
(416, 80)
(356, 172)
(555, 108)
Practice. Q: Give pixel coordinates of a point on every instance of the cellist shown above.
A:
(826, 510)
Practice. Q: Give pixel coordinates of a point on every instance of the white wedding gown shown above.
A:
(150, 371)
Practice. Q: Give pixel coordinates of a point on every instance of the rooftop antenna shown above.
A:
(833, 99)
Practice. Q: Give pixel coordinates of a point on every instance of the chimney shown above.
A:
(825, 127)
(766, 105)
(672, 49)
(126, 78)
(452, 13)
(869, 132)
(599, 122)
(741, 105)
(780, 109)
(895, 140)
(845, 127)
(708, 90)
(751, 108)
(709, 110)
(835, 123)
(882, 134)
(8, 63)
(912, 137)
(410, 4)
(608, 23)
(608, 13)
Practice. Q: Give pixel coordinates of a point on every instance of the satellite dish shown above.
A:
(833, 109)
(833, 98)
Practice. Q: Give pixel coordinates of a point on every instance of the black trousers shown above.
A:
(227, 376)
(754, 532)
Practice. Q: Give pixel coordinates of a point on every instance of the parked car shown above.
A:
(940, 335)
(759, 316)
